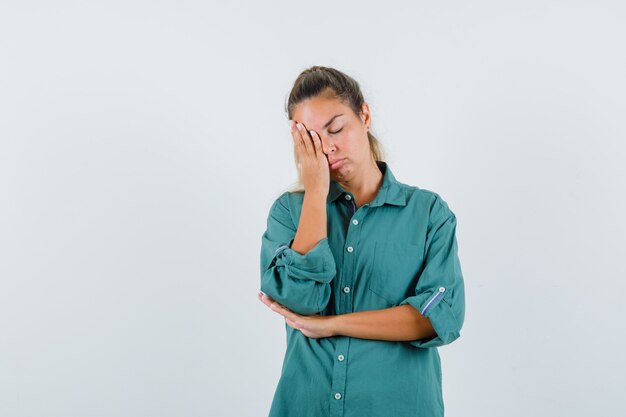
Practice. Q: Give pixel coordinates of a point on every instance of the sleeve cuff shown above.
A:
(438, 310)
(317, 264)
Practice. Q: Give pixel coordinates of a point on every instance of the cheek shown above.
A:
(356, 144)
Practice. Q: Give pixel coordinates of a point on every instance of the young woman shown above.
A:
(363, 268)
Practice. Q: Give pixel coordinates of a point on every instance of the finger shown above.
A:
(283, 311)
(317, 143)
(298, 144)
(277, 308)
(266, 303)
(267, 300)
(262, 298)
(295, 132)
(297, 139)
(306, 139)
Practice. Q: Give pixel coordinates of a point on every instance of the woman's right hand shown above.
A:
(313, 163)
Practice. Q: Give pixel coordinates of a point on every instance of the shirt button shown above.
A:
(349, 249)
(346, 289)
(337, 396)
(348, 196)
(355, 221)
(340, 357)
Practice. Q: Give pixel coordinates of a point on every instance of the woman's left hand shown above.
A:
(316, 326)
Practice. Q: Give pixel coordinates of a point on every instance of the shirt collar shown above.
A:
(390, 192)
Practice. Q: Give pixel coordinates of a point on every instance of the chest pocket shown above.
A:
(395, 269)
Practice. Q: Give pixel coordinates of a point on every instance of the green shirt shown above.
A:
(398, 249)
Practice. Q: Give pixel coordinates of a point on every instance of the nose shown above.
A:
(327, 146)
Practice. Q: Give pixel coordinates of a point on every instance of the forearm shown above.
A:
(400, 323)
(312, 224)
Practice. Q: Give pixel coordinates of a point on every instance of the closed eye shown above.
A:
(332, 133)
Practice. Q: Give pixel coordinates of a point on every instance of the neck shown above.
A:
(365, 184)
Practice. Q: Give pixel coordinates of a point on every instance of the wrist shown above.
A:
(336, 324)
(317, 194)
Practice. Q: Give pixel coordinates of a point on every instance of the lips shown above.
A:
(336, 163)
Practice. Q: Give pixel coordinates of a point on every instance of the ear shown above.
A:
(365, 114)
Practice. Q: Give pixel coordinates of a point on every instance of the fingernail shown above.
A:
(299, 126)
(290, 123)
(311, 132)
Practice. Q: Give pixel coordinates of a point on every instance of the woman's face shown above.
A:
(343, 134)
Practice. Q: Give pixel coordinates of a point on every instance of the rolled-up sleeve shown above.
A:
(440, 292)
(300, 282)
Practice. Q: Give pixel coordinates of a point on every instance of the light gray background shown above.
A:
(142, 144)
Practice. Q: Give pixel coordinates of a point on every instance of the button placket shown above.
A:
(349, 198)
(345, 305)
(338, 385)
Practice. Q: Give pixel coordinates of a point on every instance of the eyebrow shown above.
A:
(331, 120)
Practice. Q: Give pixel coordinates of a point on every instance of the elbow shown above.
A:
(446, 321)
(300, 296)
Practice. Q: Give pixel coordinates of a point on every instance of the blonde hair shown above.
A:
(316, 81)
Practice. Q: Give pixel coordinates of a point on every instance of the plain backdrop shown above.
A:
(142, 144)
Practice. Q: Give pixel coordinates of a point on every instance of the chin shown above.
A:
(339, 174)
